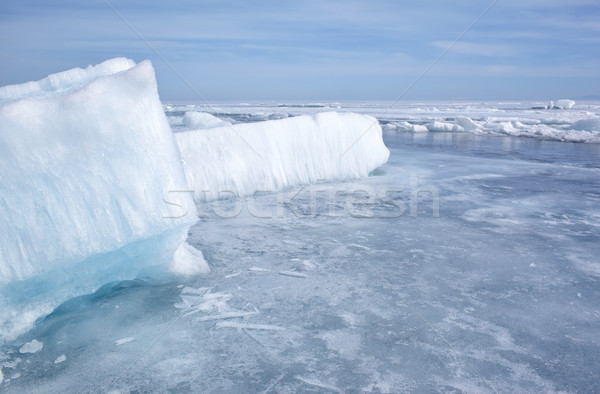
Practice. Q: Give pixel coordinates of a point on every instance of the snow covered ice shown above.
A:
(466, 262)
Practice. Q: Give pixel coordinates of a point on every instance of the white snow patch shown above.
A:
(31, 347)
(60, 359)
(188, 260)
(123, 341)
(258, 269)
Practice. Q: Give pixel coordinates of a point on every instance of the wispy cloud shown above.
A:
(478, 49)
(352, 48)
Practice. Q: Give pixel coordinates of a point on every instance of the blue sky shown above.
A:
(318, 50)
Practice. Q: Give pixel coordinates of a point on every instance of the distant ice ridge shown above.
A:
(87, 160)
(557, 129)
(202, 120)
(271, 155)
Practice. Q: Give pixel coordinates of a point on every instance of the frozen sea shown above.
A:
(469, 262)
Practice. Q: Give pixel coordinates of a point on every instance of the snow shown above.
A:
(60, 359)
(202, 120)
(123, 341)
(269, 156)
(31, 347)
(87, 162)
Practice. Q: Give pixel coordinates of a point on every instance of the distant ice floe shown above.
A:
(560, 104)
(547, 123)
(564, 104)
(444, 127)
(202, 120)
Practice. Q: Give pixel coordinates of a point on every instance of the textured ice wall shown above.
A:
(271, 155)
(87, 159)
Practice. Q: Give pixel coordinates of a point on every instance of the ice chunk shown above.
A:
(418, 128)
(87, 161)
(467, 123)
(404, 126)
(564, 104)
(202, 120)
(444, 127)
(592, 124)
(188, 260)
(31, 347)
(60, 359)
(271, 155)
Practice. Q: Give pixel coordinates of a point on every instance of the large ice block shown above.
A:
(271, 155)
(87, 163)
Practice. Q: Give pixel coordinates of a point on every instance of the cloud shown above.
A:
(477, 49)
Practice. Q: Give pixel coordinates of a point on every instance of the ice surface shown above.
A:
(87, 161)
(272, 155)
(202, 120)
(499, 293)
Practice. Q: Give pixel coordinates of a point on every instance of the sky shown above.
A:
(317, 49)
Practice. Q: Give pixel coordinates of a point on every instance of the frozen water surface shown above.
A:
(350, 287)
